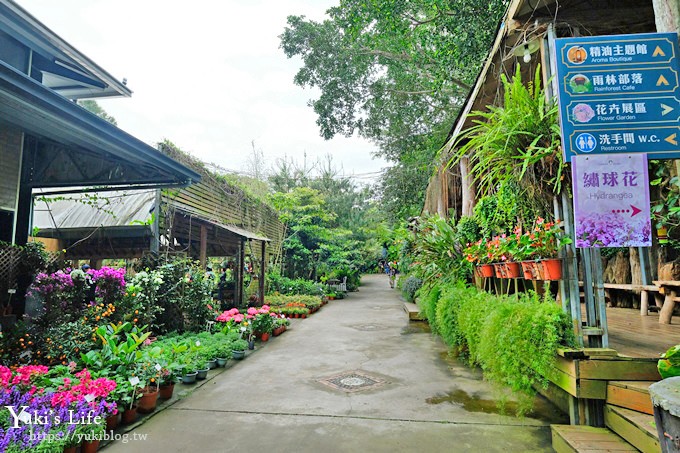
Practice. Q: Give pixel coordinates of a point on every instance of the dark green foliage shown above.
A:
(284, 285)
(468, 230)
(410, 286)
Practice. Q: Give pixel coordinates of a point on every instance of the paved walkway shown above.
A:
(355, 377)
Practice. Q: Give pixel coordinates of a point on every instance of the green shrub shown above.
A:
(514, 339)
(520, 340)
(410, 286)
(427, 302)
(276, 283)
(446, 313)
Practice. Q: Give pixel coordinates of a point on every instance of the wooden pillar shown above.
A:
(263, 271)
(203, 251)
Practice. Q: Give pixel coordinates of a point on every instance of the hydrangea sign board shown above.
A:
(611, 200)
(619, 94)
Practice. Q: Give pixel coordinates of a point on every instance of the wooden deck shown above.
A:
(640, 336)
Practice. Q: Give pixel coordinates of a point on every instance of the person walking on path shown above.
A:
(394, 270)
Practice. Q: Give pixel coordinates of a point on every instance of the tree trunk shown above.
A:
(468, 188)
(667, 15)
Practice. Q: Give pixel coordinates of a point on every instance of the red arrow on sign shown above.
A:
(635, 210)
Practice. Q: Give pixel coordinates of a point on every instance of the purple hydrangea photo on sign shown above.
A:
(611, 200)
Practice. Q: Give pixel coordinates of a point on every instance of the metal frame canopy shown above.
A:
(53, 61)
(64, 144)
(67, 145)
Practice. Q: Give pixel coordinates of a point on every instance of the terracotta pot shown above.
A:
(89, 447)
(129, 416)
(499, 270)
(486, 270)
(552, 269)
(166, 391)
(264, 336)
(528, 270)
(147, 403)
(513, 270)
(70, 449)
(112, 421)
(537, 269)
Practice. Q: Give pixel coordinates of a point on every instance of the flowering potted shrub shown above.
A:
(263, 322)
(546, 239)
(477, 254)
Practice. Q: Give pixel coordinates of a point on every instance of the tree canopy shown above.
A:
(395, 72)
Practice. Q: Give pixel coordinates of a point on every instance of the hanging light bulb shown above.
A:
(526, 55)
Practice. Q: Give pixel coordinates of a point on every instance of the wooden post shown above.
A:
(238, 293)
(155, 240)
(203, 246)
(599, 299)
(666, 313)
(262, 271)
(645, 280)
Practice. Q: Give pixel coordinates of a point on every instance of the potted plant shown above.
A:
(126, 394)
(477, 254)
(280, 324)
(202, 369)
(149, 371)
(223, 351)
(238, 349)
(263, 324)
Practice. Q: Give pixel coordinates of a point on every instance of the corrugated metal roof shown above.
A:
(116, 208)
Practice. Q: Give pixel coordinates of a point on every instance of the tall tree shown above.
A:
(395, 71)
(97, 109)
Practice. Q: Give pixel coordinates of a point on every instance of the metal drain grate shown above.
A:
(353, 381)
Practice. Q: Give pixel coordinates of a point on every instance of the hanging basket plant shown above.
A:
(518, 140)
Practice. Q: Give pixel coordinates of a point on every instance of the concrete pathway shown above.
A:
(354, 377)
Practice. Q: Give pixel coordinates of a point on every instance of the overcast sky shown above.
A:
(206, 74)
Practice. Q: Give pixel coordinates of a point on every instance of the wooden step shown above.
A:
(586, 439)
(632, 395)
(636, 428)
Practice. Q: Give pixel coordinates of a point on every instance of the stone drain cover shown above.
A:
(353, 381)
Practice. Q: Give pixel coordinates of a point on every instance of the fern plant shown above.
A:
(519, 140)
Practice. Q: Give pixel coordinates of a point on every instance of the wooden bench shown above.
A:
(671, 290)
(644, 293)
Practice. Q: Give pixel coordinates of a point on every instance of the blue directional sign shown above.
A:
(620, 94)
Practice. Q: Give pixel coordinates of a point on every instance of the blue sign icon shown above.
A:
(620, 94)
(586, 143)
